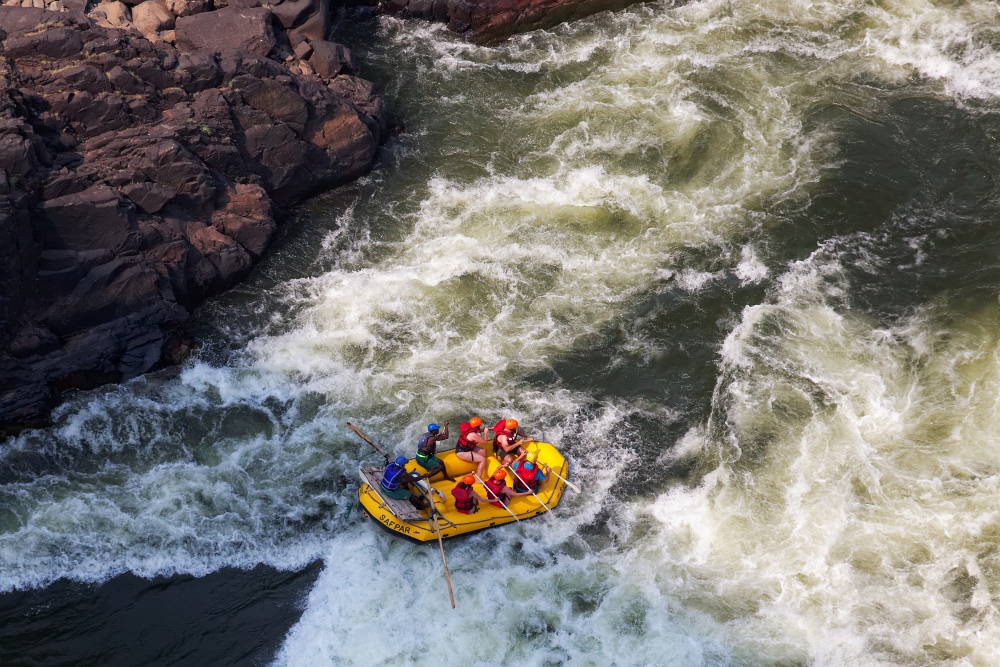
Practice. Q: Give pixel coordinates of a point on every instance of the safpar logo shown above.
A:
(399, 528)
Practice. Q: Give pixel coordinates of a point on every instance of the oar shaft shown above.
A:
(514, 474)
(444, 561)
(496, 497)
(366, 439)
(568, 483)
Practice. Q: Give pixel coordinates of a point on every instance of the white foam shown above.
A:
(845, 484)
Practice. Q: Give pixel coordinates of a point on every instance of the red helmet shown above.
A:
(475, 422)
(511, 424)
(469, 480)
(500, 474)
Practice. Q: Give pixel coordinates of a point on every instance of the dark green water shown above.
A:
(739, 261)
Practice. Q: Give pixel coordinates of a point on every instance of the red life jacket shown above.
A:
(463, 441)
(464, 501)
(497, 491)
(526, 476)
(497, 432)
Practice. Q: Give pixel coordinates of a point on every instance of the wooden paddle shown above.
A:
(365, 438)
(496, 498)
(568, 483)
(514, 475)
(444, 561)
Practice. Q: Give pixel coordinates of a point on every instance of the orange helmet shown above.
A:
(511, 424)
(500, 474)
(475, 422)
(469, 480)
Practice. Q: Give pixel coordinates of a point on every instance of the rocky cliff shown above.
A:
(138, 177)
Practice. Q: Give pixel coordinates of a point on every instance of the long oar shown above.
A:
(444, 561)
(514, 474)
(496, 497)
(568, 483)
(365, 438)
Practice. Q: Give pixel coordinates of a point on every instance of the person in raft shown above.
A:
(396, 479)
(507, 439)
(469, 438)
(466, 499)
(498, 491)
(529, 473)
(427, 450)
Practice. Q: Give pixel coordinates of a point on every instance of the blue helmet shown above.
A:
(433, 427)
(401, 461)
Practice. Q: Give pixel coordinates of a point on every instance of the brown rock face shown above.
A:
(137, 179)
(227, 29)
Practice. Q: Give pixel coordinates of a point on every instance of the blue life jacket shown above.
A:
(392, 476)
(424, 442)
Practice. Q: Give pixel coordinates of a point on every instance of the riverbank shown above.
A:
(140, 178)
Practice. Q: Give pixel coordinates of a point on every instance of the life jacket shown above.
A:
(463, 441)
(392, 476)
(464, 501)
(425, 442)
(526, 476)
(498, 430)
(497, 491)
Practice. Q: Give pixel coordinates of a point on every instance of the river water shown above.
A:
(740, 261)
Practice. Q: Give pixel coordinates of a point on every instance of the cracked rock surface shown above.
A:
(139, 177)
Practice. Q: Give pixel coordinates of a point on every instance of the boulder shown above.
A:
(227, 29)
(330, 59)
(188, 7)
(316, 24)
(112, 14)
(293, 13)
(152, 16)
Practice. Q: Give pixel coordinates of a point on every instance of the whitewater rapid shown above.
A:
(566, 221)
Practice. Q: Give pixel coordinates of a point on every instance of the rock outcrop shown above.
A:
(138, 178)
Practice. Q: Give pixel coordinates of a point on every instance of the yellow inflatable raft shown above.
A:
(401, 518)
